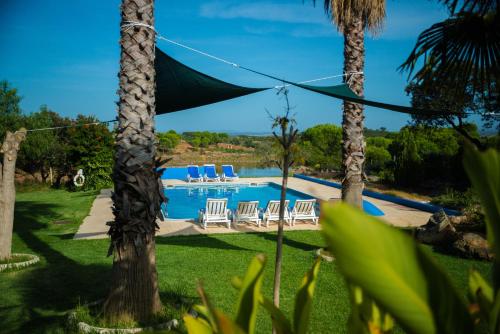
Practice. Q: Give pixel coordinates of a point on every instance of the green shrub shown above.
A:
(98, 170)
(454, 199)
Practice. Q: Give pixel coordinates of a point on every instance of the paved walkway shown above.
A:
(94, 225)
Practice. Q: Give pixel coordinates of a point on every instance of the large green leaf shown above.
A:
(197, 325)
(248, 299)
(483, 169)
(366, 317)
(304, 299)
(394, 271)
(280, 323)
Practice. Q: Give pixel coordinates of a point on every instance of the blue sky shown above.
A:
(65, 54)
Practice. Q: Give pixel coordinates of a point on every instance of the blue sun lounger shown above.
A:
(228, 173)
(194, 174)
(211, 173)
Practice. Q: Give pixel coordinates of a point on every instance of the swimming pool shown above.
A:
(185, 201)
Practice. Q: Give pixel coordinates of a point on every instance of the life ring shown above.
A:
(79, 179)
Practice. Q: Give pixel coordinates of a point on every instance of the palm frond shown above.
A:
(465, 47)
(480, 7)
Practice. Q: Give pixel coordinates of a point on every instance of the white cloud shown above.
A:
(265, 11)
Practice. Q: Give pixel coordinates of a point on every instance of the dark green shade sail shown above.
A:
(179, 87)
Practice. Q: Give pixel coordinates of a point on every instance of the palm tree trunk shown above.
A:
(134, 286)
(353, 145)
(9, 148)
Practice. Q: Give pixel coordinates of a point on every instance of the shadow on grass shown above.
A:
(200, 240)
(289, 242)
(55, 286)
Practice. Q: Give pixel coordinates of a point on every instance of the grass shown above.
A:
(16, 259)
(75, 272)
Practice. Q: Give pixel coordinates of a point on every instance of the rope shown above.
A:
(70, 126)
(131, 24)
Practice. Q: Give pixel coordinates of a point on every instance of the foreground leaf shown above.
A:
(280, 323)
(304, 299)
(248, 299)
(394, 271)
(483, 169)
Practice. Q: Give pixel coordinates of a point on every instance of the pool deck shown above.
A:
(94, 225)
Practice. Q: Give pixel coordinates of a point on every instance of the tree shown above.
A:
(286, 138)
(352, 18)
(321, 145)
(454, 108)
(42, 148)
(9, 148)
(137, 193)
(461, 64)
(464, 48)
(10, 111)
(169, 140)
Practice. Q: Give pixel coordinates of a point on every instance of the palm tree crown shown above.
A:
(343, 12)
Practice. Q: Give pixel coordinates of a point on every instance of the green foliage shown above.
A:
(98, 169)
(205, 138)
(425, 154)
(459, 200)
(391, 268)
(10, 111)
(168, 140)
(321, 146)
(211, 320)
(377, 158)
(400, 277)
(42, 150)
(483, 170)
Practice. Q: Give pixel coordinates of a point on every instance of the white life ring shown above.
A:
(79, 179)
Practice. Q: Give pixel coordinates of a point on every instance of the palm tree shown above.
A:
(464, 48)
(461, 57)
(137, 195)
(352, 18)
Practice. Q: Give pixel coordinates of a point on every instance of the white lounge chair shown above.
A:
(228, 173)
(215, 211)
(272, 212)
(304, 210)
(194, 174)
(247, 212)
(211, 173)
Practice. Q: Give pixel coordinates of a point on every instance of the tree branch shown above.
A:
(460, 129)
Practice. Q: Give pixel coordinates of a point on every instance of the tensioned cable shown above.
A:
(71, 126)
(130, 24)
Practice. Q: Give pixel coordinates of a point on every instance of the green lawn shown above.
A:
(36, 300)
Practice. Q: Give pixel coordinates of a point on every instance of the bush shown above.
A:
(321, 145)
(168, 140)
(98, 170)
(377, 158)
(456, 199)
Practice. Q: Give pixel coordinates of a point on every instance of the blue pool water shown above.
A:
(185, 201)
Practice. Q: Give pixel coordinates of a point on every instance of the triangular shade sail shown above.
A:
(179, 87)
(345, 93)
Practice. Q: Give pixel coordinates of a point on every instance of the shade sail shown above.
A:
(345, 93)
(180, 87)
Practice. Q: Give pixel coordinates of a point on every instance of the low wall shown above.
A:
(427, 207)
